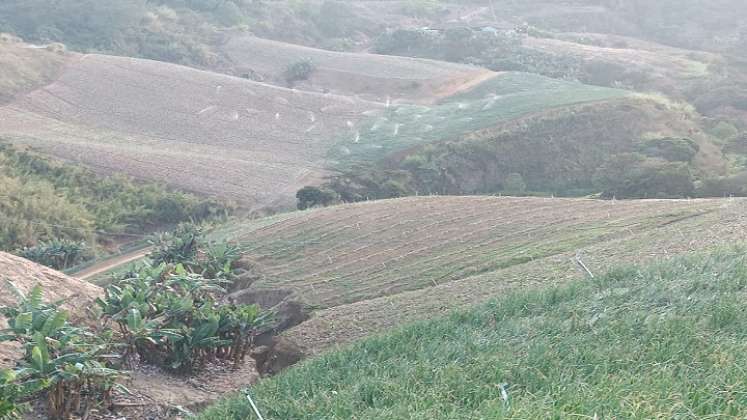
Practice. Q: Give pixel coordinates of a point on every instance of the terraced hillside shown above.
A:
(646, 65)
(370, 266)
(375, 77)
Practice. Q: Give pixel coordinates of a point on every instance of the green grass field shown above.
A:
(505, 97)
(662, 341)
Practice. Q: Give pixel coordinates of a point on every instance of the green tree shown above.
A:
(309, 197)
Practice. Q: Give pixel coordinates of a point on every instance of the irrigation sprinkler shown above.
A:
(254, 406)
(583, 266)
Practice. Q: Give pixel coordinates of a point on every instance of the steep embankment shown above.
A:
(370, 266)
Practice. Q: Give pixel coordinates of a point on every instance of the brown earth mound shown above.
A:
(26, 67)
(76, 294)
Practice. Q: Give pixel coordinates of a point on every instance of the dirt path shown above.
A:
(111, 263)
(459, 86)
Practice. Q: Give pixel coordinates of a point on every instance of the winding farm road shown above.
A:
(111, 263)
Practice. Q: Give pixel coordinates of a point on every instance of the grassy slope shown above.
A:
(389, 262)
(664, 341)
(504, 97)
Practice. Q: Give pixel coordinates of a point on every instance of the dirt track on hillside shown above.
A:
(111, 263)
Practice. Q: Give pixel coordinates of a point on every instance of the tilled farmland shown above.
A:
(196, 130)
(376, 77)
(375, 265)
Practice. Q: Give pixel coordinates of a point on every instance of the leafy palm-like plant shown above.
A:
(171, 317)
(68, 364)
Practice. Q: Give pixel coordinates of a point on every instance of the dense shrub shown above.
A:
(309, 197)
(737, 144)
(46, 201)
(734, 185)
(634, 176)
(67, 365)
(669, 148)
(177, 247)
(174, 318)
(514, 184)
(187, 246)
(59, 254)
(299, 71)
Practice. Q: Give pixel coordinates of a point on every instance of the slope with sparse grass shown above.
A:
(24, 67)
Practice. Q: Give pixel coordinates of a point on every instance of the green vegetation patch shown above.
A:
(505, 97)
(664, 341)
(46, 201)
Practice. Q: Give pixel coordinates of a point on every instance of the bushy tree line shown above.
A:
(181, 31)
(46, 202)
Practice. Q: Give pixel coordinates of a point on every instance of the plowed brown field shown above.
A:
(201, 131)
(370, 76)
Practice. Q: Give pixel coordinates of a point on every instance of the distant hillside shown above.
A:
(375, 77)
(200, 131)
(627, 146)
(501, 98)
(230, 137)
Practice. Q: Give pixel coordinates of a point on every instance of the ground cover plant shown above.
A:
(501, 98)
(660, 341)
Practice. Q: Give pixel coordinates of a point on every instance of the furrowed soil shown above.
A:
(370, 266)
(374, 77)
(195, 130)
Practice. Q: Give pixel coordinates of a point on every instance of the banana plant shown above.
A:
(68, 364)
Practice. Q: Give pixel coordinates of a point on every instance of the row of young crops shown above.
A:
(357, 252)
